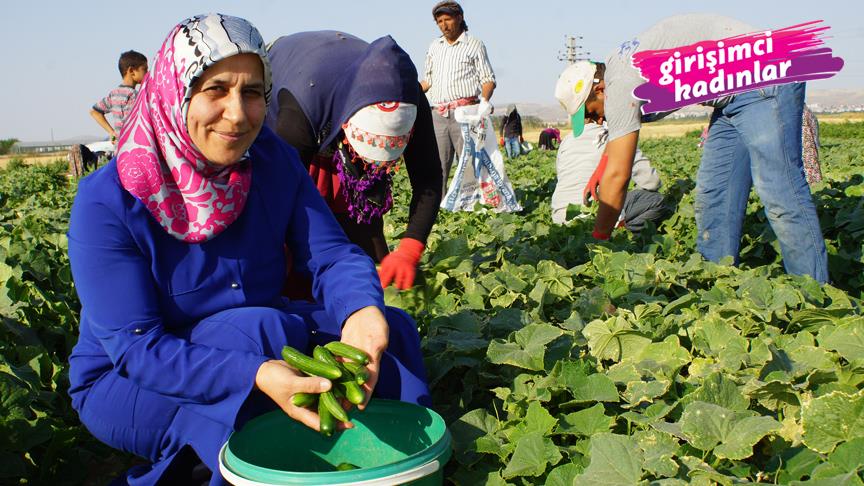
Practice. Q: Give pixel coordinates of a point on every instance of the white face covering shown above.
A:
(380, 132)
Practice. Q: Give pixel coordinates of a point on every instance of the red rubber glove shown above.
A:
(600, 236)
(590, 192)
(401, 265)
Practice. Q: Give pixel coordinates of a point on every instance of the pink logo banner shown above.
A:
(713, 69)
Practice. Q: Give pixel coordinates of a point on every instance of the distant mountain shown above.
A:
(827, 98)
(817, 98)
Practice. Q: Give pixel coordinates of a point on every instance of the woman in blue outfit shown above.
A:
(177, 251)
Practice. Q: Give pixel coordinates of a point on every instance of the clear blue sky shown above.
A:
(59, 57)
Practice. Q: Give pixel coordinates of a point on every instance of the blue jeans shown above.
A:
(512, 147)
(756, 141)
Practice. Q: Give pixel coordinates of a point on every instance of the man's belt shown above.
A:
(443, 108)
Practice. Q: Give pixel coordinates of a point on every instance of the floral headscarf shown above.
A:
(192, 199)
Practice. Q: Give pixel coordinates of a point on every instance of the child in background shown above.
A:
(118, 103)
(120, 100)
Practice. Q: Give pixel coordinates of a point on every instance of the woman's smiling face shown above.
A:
(227, 108)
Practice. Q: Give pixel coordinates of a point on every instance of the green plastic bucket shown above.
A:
(392, 443)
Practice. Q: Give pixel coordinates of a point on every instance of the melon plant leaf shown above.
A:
(700, 473)
(831, 419)
(638, 392)
(658, 449)
(507, 321)
(712, 335)
(537, 419)
(613, 339)
(615, 460)
(564, 475)
(528, 348)
(849, 456)
(532, 455)
(584, 387)
(495, 445)
(664, 357)
(623, 373)
(465, 432)
(15, 398)
(721, 390)
(847, 339)
(730, 434)
(796, 463)
(744, 435)
(585, 422)
(847, 479)
(653, 414)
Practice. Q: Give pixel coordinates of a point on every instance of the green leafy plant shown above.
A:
(554, 358)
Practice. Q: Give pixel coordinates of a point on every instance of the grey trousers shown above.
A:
(448, 135)
(641, 206)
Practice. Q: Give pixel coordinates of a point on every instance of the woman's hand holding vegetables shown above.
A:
(280, 382)
(367, 330)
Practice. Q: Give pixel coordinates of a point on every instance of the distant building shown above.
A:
(39, 147)
(51, 146)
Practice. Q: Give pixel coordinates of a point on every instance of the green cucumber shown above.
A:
(360, 373)
(352, 391)
(327, 425)
(321, 354)
(329, 401)
(347, 351)
(309, 365)
(304, 399)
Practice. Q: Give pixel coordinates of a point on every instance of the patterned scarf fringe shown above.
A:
(354, 188)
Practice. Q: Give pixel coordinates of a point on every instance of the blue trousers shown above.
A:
(130, 418)
(755, 141)
(512, 147)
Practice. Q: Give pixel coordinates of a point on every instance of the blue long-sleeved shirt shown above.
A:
(136, 282)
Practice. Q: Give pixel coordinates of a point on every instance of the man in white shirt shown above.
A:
(457, 73)
(578, 164)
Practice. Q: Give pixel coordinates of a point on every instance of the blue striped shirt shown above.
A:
(118, 104)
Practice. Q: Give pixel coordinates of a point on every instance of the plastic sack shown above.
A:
(480, 176)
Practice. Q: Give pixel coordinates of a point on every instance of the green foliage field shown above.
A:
(556, 359)
(553, 358)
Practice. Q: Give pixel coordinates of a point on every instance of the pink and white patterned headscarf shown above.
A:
(158, 163)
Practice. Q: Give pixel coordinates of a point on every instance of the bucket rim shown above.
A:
(438, 453)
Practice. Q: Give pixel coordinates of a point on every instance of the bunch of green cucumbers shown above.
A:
(347, 376)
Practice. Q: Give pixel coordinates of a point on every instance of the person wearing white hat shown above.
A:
(754, 141)
(580, 161)
(353, 110)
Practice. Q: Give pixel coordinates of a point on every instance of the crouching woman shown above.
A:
(177, 252)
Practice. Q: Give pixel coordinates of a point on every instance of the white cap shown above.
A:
(380, 132)
(572, 89)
